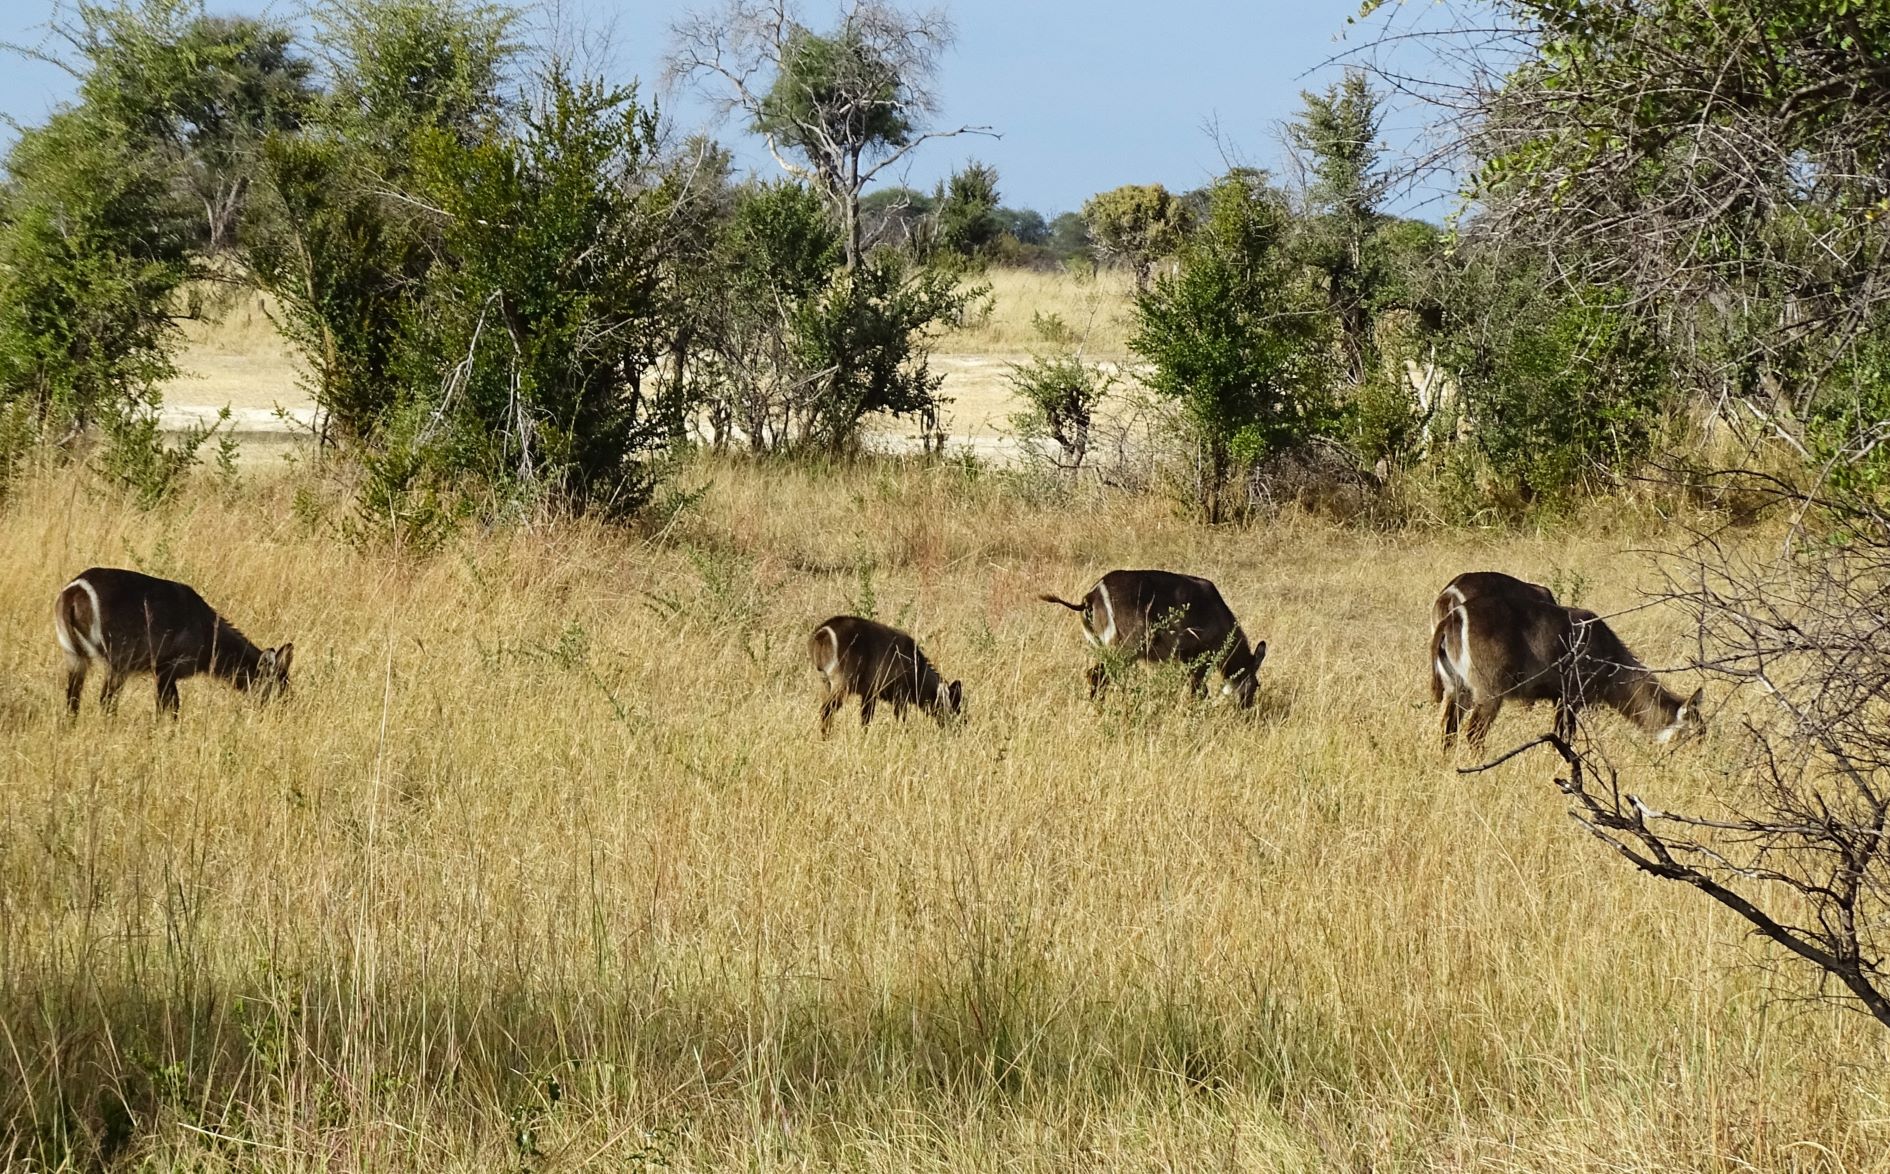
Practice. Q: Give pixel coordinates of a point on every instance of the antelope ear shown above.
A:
(282, 658)
(1259, 653)
(1699, 695)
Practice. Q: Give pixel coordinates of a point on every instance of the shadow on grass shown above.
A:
(98, 1073)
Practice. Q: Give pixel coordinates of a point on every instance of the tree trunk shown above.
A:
(850, 210)
(1216, 482)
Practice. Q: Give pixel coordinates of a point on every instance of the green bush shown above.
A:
(1237, 337)
(93, 249)
(1848, 426)
(1567, 392)
(860, 345)
(338, 237)
(521, 365)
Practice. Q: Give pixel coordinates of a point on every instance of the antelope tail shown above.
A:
(1061, 602)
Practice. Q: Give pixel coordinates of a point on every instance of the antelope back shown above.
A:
(1161, 615)
(863, 657)
(133, 622)
(1481, 584)
(1500, 637)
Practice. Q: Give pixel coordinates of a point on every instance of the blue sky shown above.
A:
(1086, 96)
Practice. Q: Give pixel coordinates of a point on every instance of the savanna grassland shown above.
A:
(542, 867)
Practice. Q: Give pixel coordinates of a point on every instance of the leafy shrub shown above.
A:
(1566, 392)
(1061, 392)
(336, 238)
(1848, 426)
(1236, 338)
(859, 345)
(523, 361)
(93, 248)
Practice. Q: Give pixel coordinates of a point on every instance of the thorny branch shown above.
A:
(1798, 638)
(1819, 922)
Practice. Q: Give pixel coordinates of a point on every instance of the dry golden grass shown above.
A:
(542, 867)
(1096, 309)
(233, 355)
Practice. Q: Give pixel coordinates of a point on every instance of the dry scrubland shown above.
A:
(1098, 310)
(234, 355)
(542, 867)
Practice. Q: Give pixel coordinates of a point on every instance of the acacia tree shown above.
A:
(1138, 225)
(836, 109)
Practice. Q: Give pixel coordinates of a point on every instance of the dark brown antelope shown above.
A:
(1477, 584)
(1163, 616)
(1497, 639)
(860, 658)
(134, 623)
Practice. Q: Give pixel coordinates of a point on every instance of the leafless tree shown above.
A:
(836, 110)
(1795, 844)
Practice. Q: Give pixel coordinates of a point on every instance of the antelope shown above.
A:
(1164, 616)
(868, 660)
(1477, 584)
(131, 623)
(1497, 639)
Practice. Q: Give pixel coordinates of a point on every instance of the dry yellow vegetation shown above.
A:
(1098, 310)
(234, 355)
(542, 867)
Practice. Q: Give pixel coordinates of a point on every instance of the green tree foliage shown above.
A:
(405, 69)
(200, 92)
(836, 108)
(1136, 225)
(94, 246)
(860, 342)
(522, 366)
(1236, 338)
(969, 219)
(1061, 392)
(1722, 160)
(897, 217)
(108, 208)
(800, 349)
(1567, 391)
(775, 252)
(835, 100)
(1337, 135)
(1025, 226)
(1848, 426)
(341, 245)
(1069, 238)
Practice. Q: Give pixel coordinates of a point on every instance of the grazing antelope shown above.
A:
(1497, 639)
(1160, 615)
(1477, 584)
(133, 623)
(860, 658)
